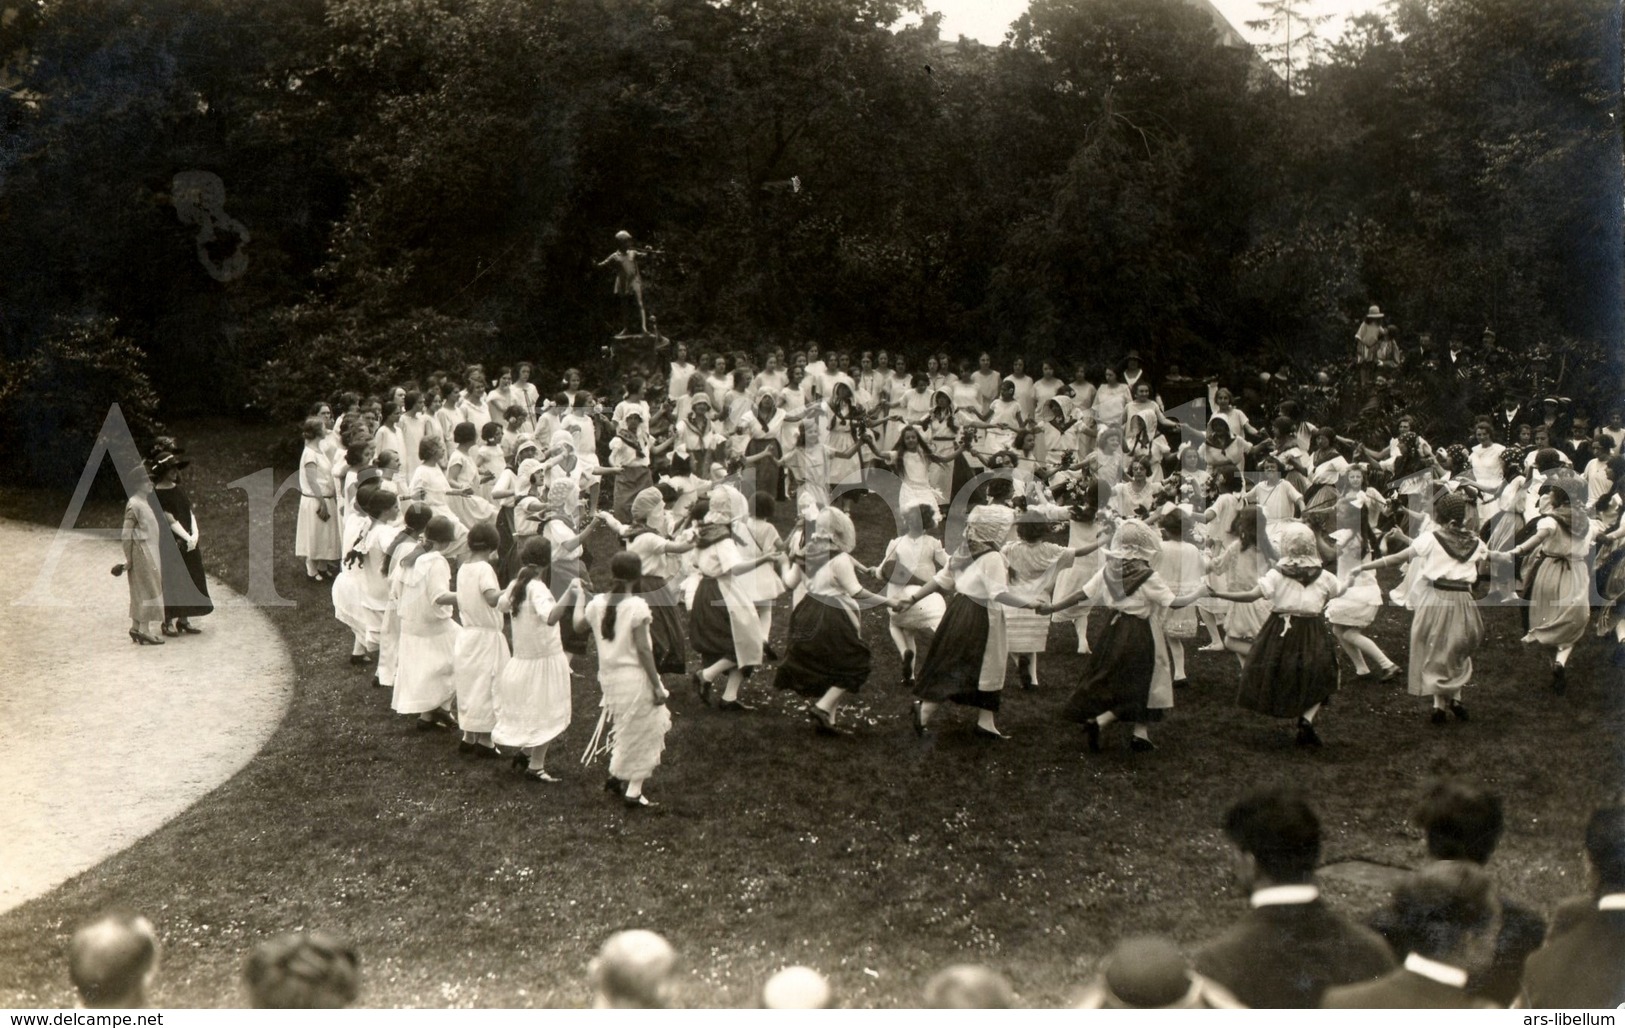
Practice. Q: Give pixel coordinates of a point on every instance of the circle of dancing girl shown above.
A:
(966, 662)
(361, 591)
(531, 697)
(1291, 670)
(423, 673)
(1127, 677)
(1447, 628)
(413, 522)
(661, 571)
(1559, 590)
(482, 649)
(912, 560)
(634, 704)
(1353, 612)
(1036, 564)
(722, 624)
(827, 657)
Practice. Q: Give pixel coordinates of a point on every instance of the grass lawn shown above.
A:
(877, 858)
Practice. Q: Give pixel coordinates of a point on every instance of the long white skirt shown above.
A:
(637, 728)
(389, 646)
(314, 538)
(531, 698)
(350, 605)
(423, 671)
(481, 655)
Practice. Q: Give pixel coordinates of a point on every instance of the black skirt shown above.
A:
(825, 650)
(952, 670)
(1117, 677)
(186, 590)
(1290, 668)
(666, 628)
(766, 470)
(710, 631)
(507, 549)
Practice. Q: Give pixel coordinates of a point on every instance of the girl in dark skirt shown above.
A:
(966, 662)
(659, 570)
(1127, 677)
(827, 657)
(186, 590)
(1292, 668)
(722, 623)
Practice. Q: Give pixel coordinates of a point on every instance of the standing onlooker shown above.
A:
(142, 537)
(1583, 962)
(186, 588)
(316, 538)
(112, 962)
(1290, 947)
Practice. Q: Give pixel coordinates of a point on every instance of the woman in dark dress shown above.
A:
(186, 590)
(827, 657)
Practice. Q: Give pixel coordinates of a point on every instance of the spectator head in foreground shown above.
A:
(1462, 822)
(633, 970)
(1449, 911)
(1149, 973)
(113, 961)
(797, 988)
(1277, 836)
(968, 987)
(303, 971)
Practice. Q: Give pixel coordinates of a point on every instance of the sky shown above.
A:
(986, 20)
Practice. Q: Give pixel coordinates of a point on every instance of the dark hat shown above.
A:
(1146, 973)
(1132, 355)
(440, 530)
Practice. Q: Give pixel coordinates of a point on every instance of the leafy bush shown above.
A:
(54, 401)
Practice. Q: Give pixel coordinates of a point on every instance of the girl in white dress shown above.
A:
(361, 591)
(1084, 536)
(1559, 591)
(428, 485)
(316, 537)
(423, 676)
(482, 649)
(531, 697)
(1447, 628)
(915, 465)
(413, 522)
(723, 627)
(634, 704)
(1036, 563)
(1183, 567)
(464, 497)
(1352, 613)
(913, 560)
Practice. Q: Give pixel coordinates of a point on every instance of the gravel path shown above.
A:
(105, 740)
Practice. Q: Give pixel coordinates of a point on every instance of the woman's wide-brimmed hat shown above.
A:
(1375, 313)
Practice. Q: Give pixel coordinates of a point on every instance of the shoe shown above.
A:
(1217, 646)
(484, 752)
(1560, 679)
(1139, 745)
(168, 629)
(702, 687)
(520, 761)
(1307, 736)
(1439, 716)
(376, 684)
(185, 627)
(615, 785)
(638, 802)
(991, 734)
(1182, 683)
(825, 721)
(143, 639)
(1389, 673)
(537, 775)
(770, 655)
(1092, 729)
(317, 577)
(427, 724)
(734, 706)
(917, 718)
(358, 660)
(464, 747)
(1458, 709)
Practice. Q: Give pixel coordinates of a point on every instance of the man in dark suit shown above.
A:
(1508, 416)
(1463, 822)
(1583, 963)
(1449, 912)
(1290, 947)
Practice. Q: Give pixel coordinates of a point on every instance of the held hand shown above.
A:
(322, 513)
(1044, 609)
